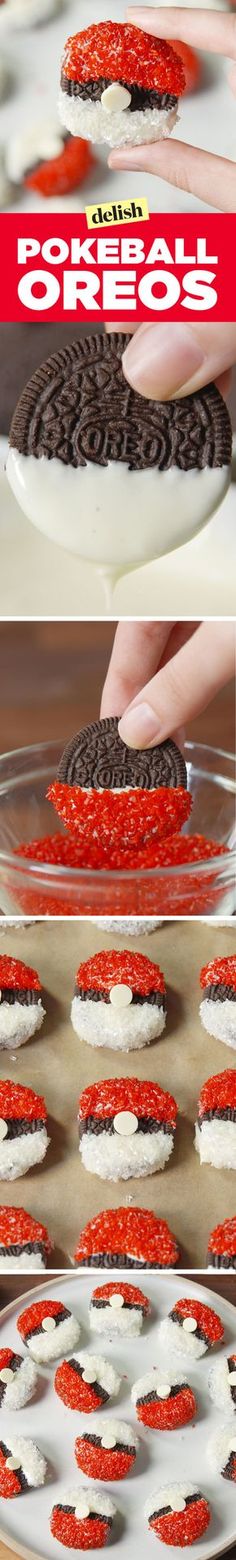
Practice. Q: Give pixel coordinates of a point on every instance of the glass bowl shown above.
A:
(36, 889)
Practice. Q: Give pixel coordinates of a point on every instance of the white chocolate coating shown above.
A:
(173, 1495)
(25, 1262)
(20, 1386)
(177, 1341)
(38, 144)
(220, 1448)
(216, 1143)
(116, 1158)
(24, 1454)
(124, 1029)
(220, 1382)
(18, 1022)
(85, 1500)
(19, 1154)
(115, 1321)
(95, 1368)
(91, 120)
(110, 515)
(219, 1018)
(47, 1345)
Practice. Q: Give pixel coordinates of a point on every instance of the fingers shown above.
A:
(165, 362)
(187, 167)
(214, 31)
(181, 688)
(137, 650)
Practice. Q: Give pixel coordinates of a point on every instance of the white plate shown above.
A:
(25, 1521)
(207, 117)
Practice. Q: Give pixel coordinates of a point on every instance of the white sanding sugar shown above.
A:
(18, 1022)
(128, 1029)
(216, 1143)
(45, 1346)
(19, 1154)
(177, 1341)
(91, 121)
(117, 1158)
(219, 1018)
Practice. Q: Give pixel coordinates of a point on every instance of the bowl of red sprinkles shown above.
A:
(46, 869)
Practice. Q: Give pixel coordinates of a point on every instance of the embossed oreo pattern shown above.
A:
(141, 97)
(79, 408)
(97, 758)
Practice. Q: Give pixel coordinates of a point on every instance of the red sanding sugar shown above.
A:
(91, 1533)
(17, 1228)
(218, 1093)
(66, 172)
(182, 1528)
(223, 1239)
(18, 976)
(220, 972)
(207, 1319)
(112, 1095)
(123, 53)
(120, 818)
(18, 1102)
(35, 1314)
(110, 968)
(134, 1232)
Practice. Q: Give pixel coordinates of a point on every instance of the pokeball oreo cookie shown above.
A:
(119, 84)
(118, 1309)
(191, 1328)
(18, 1379)
(127, 1238)
(222, 1452)
(126, 1127)
(48, 1329)
(178, 1514)
(22, 1466)
(147, 474)
(83, 1519)
(222, 1246)
(218, 1005)
(86, 1382)
(108, 1451)
(222, 1385)
(163, 1401)
(118, 798)
(21, 1010)
(25, 1245)
(47, 160)
(215, 1129)
(23, 1130)
(119, 1001)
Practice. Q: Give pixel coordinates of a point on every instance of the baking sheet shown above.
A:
(25, 1522)
(61, 1193)
(207, 117)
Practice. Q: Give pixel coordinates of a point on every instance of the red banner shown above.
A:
(168, 266)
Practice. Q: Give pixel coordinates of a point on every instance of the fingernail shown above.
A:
(161, 359)
(139, 726)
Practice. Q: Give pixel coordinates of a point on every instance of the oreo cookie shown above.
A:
(97, 759)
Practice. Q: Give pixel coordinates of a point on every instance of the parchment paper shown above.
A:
(61, 1193)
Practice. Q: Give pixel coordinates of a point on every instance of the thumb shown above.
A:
(182, 688)
(167, 361)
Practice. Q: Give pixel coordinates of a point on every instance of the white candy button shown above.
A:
(6, 1375)
(88, 1376)
(179, 1503)
(125, 1123)
(121, 996)
(190, 1324)
(164, 1390)
(108, 1441)
(48, 1324)
(3, 1128)
(82, 1509)
(116, 1302)
(12, 1463)
(115, 98)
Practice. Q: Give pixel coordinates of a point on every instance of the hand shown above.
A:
(210, 178)
(163, 674)
(165, 362)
